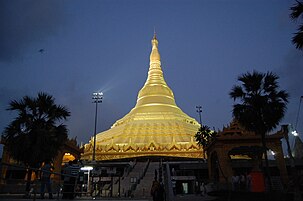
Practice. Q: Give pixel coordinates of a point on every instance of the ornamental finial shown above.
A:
(154, 33)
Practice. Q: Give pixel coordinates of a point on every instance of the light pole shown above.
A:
(298, 113)
(97, 98)
(199, 110)
(295, 132)
(297, 193)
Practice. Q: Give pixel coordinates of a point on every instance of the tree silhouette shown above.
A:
(204, 137)
(296, 13)
(261, 105)
(35, 136)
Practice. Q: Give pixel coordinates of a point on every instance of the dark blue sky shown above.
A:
(105, 45)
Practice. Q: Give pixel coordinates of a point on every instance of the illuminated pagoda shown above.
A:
(156, 126)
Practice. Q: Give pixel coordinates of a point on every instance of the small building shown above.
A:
(238, 151)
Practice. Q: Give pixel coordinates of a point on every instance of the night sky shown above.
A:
(104, 45)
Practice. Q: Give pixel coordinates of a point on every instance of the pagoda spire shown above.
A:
(155, 96)
(155, 73)
(155, 121)
(155, 33)
(155, 85)
(155, 55)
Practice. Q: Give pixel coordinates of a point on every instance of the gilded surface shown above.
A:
(156, 126)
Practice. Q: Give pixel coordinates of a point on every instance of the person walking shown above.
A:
(157, 191)
(45, 175)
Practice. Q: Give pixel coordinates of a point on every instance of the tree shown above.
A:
(297, 12)
(35, 136)
(204, 137)
(261, 105)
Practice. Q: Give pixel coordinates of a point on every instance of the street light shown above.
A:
(88, 169)
(199, 110)
(297, 193)
(298, 113)
(97, 98)
(295, 132)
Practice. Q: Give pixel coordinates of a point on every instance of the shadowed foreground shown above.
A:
(249, 196)
(214, 196)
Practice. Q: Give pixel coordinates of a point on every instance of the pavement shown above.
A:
(18, 197)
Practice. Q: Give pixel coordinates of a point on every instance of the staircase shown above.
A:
(137, 183)
(129, 182)
(144, 185)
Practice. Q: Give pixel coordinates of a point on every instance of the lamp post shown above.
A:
(294, 173)
(97, 98)
(298, 113)
(297, 194)
(199, 110)
(295, 132)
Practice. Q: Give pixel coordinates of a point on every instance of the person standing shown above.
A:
(66, 180)
(157, 191)
(248, 182)
(235, 182)
(203, 189)
(71, 172)
(161, 191)
(74, 170)
(45, 175)
(154, 191)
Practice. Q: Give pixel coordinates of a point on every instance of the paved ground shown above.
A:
(177, 198)
(20, 199)
(274, 196)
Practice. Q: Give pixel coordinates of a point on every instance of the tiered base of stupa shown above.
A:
(133, 152)
(146, 138)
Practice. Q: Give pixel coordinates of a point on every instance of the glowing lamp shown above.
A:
(295, 133)
(87, 168)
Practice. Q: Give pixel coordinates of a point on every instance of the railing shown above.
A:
(85, 187)
(59, 188)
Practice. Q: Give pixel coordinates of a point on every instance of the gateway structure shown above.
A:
(156, 126)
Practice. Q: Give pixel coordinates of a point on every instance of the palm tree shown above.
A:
(261, 105)
(297, 11)
(204, 137)
(35, 136)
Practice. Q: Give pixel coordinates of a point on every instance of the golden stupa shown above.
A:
(156, 126)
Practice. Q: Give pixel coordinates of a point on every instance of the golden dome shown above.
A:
(156, 126)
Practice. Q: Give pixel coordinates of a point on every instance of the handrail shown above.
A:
(34, 183)
(36, 169)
